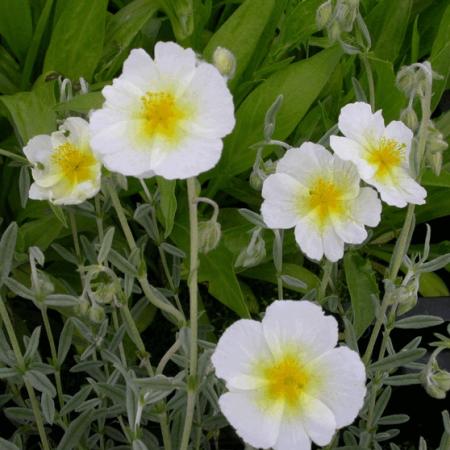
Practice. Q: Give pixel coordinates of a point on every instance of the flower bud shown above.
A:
(96, 313)
(83, 306)
(409, 117)
(260, 172)
(225, 62)
(45, 285)
(407, 295)
(334, 31)
(436, 145)
(346, 14)
(407, 81)
(254, 253)
(209, 233)
(323, 14)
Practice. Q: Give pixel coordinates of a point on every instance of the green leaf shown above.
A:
(399, 359)
(40, 233)
(30, 112)
(65, 341)
(118, 261)
(381, 404)
(7, 247)
(76, 43)
(300, 84)
(76, 430)
(121, 30)
(393, 419)
(432, 285)
(440, 57)
(6, 445)
(106, 245)
(48, 408)
(40, 382)
(32, 345)
(9, 73)
(82, 103)
(61, 300)
(361, 285)
(419, 321)
(388, 23)
(16, 26)
(6, 372)
(167, 203)
(244, 32)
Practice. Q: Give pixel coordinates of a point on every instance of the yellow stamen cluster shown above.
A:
(75, 164)
(162, 115)
(286, 380)
(325, 199)
(386, 156)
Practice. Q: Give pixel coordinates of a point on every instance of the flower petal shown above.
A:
(292, 436)
(241, 346)
(214, 103)
(357, 122)
(333, 245)
(309, 239)
(280, 192)
(38, 193)
(349, 231)
(400, 133)
(341, 384)
(350, 150)
(257, 426)
(318, 421)
(305, 162)
(299, 324)
(38, 149)
(78, 129)
(140, 70)
(367, 209)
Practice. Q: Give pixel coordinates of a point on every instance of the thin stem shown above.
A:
(168, 275)
(327, 269)
(370, 81)
(99, 217)
(193, 314)
(21, 364)
(168, 355)
(73, 226)
(151, 297)
(51, 340)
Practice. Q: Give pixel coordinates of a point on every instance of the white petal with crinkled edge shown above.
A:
(193, 156)
(333, 245)
(350, 150)
(401, 190)
(38, 148)
(38, 193)
(341, 383)
(350, 231)
(255, 425)
(78, 129)
(214, 116)
(239, 349)
(287, 323)
(280, 192)
(358, 122)
(292, 436)
(140, 70)
(123, 96)
(318, 420)
(305, 162)
(367, 209)
(309, 239)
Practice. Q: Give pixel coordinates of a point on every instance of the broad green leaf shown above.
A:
(76, 43)
(7, 247)
(82, 103)
(16, 26)
(121, 29)
(443, 180)
(167, 203)
(387, 24)
(440, 57)
(30, 112)
(245, 33)
(361, 285)
(266, 272)
(9, 73)
(432, 285)
(74, 433)
(300, 84)
(40, 233)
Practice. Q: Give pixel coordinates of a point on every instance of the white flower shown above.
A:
(319, 195)
(288, 384)
(380, 153)
(165, 116)
(65, 170)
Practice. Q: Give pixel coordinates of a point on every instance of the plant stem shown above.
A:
(370, 81)
(151, 297)
(193, 314)
(73, 226)
(327, 268)
(21, 363)
(51, 341)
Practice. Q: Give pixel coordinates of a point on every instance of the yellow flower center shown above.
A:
(286, 380)
(162, 114)
(386, 156)
(325, 199)
(75, 164)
